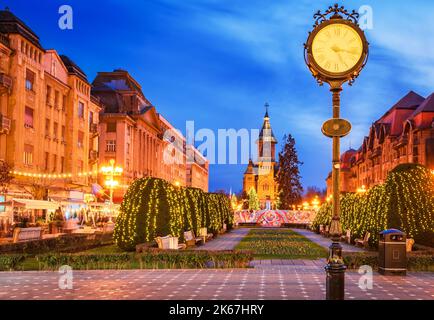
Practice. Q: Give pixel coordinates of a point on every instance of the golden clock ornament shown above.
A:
(336, 49)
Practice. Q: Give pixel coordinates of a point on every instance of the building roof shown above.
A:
(266, 131)
(249, 167)
(426, 106)
(117, 80)
(72, 67)
(11, 24)
(409, 102)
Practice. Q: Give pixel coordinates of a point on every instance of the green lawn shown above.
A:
(280, 244)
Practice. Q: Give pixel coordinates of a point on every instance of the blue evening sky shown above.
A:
(218, 61)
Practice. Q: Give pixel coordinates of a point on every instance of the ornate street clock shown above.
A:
(336, 50)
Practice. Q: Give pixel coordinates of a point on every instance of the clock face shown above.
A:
(337, 48)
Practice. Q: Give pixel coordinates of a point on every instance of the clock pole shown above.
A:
(339, 18)
(335, 268)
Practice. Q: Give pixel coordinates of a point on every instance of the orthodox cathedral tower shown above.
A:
(262, 175)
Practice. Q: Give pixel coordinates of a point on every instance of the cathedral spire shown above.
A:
(266, 110)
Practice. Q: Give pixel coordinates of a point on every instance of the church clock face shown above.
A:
(337, 48)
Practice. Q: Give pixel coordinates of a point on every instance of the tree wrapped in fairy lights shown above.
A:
(405, 201)
(153, 207)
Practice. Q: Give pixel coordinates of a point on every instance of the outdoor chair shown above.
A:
(347, 236)
(190, 239)
(326, 231)
(409, 244)
(168, 242)
(203, 232)
(363, 242)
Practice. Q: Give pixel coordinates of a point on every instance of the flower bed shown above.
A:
(280, 244)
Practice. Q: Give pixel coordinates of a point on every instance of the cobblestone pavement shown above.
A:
(326, 242)
(273, 282)
(226, 241)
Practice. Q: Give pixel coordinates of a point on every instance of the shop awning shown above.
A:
(34, 204)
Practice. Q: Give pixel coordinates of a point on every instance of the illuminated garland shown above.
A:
(52, 175)
(405, 202)
(153, 207)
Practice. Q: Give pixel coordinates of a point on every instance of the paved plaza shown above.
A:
(326, 242)
(272, 282)
(227, 241)
(276, 279)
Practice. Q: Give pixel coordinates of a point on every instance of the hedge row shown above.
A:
(63, 243)
(153, 207)
(405, 202)
(149, 259)
(423, 261)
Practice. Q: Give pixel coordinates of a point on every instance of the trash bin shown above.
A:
(392, 253)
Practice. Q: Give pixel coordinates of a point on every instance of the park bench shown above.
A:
(203, 232)
(169, 242)
(363, 242)
(347, 236)
(191, 239)
(27, 234)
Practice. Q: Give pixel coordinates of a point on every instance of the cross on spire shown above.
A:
(266, 110)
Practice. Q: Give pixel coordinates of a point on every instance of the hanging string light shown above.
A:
(52, 175)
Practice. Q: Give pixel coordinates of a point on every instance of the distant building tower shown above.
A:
(262, 175)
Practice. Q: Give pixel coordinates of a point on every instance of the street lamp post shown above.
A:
(110, 172)
(335, 52)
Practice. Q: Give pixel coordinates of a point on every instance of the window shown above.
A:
(62, 164)
(64, 103)
(30, 80)
(80, 139)
(28, 154)
(48, 95)
(80, 165)
(111, 126)
(110, 146)
(47, 127)
(28, 117)
(54, 162)
(63, 133)
(46, 160)
(56, 99)
(90, 118)
(128, 148)
(55, 129)
(128, 130)
(81, 110)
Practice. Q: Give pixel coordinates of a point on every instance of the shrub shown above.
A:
(405, 202)
(63, 243)
(10, 261)
(153, 207)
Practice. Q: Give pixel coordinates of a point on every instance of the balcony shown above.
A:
(4, 39)
(5, 124)
(93, 128)
(5, 81)
(402, 141)
(93, 155)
